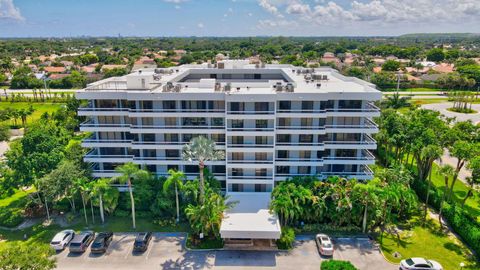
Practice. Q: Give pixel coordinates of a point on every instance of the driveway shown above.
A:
(442, 108)
(166, 251)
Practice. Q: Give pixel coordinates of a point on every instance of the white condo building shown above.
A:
(273, 121)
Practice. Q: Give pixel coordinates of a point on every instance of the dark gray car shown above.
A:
(81, 241)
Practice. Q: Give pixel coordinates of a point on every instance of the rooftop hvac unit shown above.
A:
(289, 87)
(177, 88)
(157, 71)
(279, 88)
(262, 65)
(325, 77)
(317, 77)
(319, 85)
(221, 65)
(218, 87)
(157, 77)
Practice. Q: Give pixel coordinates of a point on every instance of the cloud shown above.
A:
(321, 12)
(200, 25)
(9, 11)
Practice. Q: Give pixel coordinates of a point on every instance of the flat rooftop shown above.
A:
(234, 77)
(250, 218)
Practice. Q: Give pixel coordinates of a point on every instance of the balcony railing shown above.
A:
(90, 123)
(166, 143)
(250, 129)
(300, 159)
(177, 110)
(302, 127)
(252, 161)
(249, 177)
(250, 112)
(300, 111)
(299, 144)
(366, 155)
(368, 140)
(367, 125)
(176, 127)
(91, 140)
(90, 109)
(250, 145)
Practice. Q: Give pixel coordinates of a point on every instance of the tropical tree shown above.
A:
(175, 179)
(367, 194)
(23, 255)
(474, 180)
(430, 153)
(463, 151)
(83, 187)
(128, 173)
(101, 187)
(446, 171)
(201, 149)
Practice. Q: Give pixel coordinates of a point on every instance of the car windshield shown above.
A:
(97, 244)
(75, 244)
(409, 261)
(55, 242)
(326, 245)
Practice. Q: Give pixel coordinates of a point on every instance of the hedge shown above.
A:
(286, 239)
(10, 217)
(337, 265)
(459, 220)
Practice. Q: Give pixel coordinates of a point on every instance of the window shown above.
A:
(307, 105)
(237, 187)
(171, 137)
(237, 106)
(303, 170)
(172, 153)
(147, 121)
(148, 137)
(304, 154)
(306, 122)
(147, 105)
(217, 122)
(169, 105)
(261, 106)
(260, 156)
(260, 172)
(191, 169)
(260, 187)
(237, 172)
(282, 153)
(218, 138)
(194, 121)
(152, 168)
(261, 140)
(237, 156)
(305, 138)
(257, 76)
(172, 167)
(218, 169)
(283, 169)
(261, 123)
(170, 121)
(237, 140)
(237, 123)
(283, 138)
(285, 105)
(283, 122)
(149, 153)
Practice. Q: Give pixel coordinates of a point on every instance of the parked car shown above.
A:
(141, 241)
(419, 263)
(101, 242)
(324, 244)
(62, 239)
(81, 241)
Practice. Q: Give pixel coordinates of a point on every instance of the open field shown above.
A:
(40, 108)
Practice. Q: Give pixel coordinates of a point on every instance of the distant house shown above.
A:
(108, 67)
(430, 77)
(90, 68)
(444, 68)
(180, 52)
(377, 69)
(329, 57)
(412, 78)
(67, 63)
(33, 67)
(378, 61)
(427, 63)
(57, 76)
(422, 70)
(144, 62)
(55, 69)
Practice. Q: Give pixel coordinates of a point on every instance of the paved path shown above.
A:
(442, 108)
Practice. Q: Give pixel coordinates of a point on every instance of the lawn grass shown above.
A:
(40, 108)
(424, 101)
(426, 241)
(15, 198)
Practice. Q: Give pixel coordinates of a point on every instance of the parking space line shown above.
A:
(152, 244)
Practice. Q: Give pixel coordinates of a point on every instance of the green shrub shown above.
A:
(121, 213)
(206, 243)
(286, 239)
(463, 225)
(337, 265)
(10, 217)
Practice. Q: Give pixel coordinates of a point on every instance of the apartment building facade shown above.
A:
(274, 122)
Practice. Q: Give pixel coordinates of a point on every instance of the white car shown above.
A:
(419, 264)
(324, 245)
(61, 239)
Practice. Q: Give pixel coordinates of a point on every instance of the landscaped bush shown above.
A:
(206, 243)
(10, 217)
(286, 239)
(337, 265)
(463, 225)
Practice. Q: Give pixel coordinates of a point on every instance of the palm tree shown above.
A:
(98, 189)
(201, 149)
(431, 153)
(82, 186)
(130, 171)
(474, 180)
(176, 179)
(446, 171)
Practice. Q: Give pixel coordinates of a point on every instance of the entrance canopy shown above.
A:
(250, 218)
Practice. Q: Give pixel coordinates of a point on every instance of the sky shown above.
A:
(73, 18)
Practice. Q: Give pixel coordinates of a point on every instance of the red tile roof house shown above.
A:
(55, 69)
(57, 76)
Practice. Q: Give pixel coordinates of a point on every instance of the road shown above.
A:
(166, 251)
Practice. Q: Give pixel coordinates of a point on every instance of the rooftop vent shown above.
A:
(289, 87)
(319, 85)
(325, 77)
(228, 87)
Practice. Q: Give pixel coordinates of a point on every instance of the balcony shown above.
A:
(367, 143)
(299, 161)
(370, 110)
(171, 161)
(177, 129)
(300, 130)
(365, 158)
(251, 112)
(365, 173)
(249, 161)
(368, 127)
(92, 156)
(90, 111)
(175, 112)
(92, 142)
(91, 126)
(166, 145)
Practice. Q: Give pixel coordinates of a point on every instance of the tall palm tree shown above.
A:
(201, 149)
(176, 179)
(82, 186)
(431, 153)
(98, 189)
(446, 171)
(130, 171)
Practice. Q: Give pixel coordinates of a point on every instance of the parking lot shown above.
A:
(166, 251)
